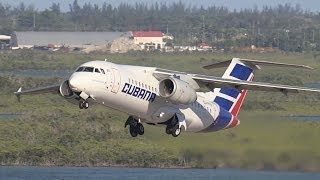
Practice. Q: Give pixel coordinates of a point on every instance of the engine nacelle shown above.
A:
(177, 91)
(67, 93)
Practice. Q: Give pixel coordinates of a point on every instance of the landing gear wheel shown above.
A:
(176, 131)
(135, 127)
(174, 121)
(83, 104)
(133, 131)
(168, 130)
(80, 105)
(129, 121)
(140, 129)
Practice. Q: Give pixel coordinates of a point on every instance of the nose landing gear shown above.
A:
(135, 127)
(83, 104)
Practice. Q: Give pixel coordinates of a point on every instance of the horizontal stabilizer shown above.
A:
(215, 82)
(254, 64)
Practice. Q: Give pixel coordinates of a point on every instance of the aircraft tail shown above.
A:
(231, 98)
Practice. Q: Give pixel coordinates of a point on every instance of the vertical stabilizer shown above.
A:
(231, 99)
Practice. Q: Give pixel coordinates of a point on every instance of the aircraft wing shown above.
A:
(211, 82)
(47, 89)
(215, 82)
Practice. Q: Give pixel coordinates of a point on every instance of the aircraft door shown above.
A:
(115, 80)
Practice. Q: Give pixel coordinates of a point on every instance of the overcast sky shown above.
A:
(312, 5)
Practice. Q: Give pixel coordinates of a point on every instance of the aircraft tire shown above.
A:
(176, 131)
(140, 129)
(133, 131)
(80, 105)
(129, 121)
(174, 121)
(85, 105)
(168, 130)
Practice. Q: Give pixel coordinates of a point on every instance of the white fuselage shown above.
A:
(134, 90)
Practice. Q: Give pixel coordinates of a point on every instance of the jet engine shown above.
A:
(67, 93)
(177, 91)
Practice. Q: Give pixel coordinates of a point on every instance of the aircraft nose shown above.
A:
(74, 83)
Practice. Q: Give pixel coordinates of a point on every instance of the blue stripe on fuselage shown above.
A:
(222, 121)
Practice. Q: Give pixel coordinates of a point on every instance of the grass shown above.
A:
(54, 132)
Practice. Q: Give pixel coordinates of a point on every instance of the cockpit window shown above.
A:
(102, 71)
(88, 69)
(80, 69)
(96, 70)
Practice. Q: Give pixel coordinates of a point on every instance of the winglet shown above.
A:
(18, 93)
(254, 63)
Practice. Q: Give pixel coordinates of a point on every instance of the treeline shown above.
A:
(286, 27)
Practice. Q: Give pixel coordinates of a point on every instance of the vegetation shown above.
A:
(286, 27)
(53, 132)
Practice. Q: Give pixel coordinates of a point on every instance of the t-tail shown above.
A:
(230, 99)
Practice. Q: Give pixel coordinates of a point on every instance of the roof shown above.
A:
(74, 39)
(147, 34)
(4, 37)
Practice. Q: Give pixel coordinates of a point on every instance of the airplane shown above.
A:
(172, 99)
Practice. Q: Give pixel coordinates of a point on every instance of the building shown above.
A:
(30, 39)
(5, 41)
(8, 42)
(148, 40)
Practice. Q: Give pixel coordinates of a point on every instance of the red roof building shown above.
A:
(148, 40)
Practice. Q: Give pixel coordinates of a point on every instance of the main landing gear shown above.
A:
(83, 104)
(173, 126)
(135, 127)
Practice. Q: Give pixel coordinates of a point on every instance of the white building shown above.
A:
(148, 40)
(5, 41)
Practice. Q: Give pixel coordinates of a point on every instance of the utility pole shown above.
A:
(203, 29)
(253, 28)
(278, 42)
(34, 20)
(167, 28)
(313, 35)
(304, 39)
(14, 21)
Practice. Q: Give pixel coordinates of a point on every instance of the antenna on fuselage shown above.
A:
(105, 59)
